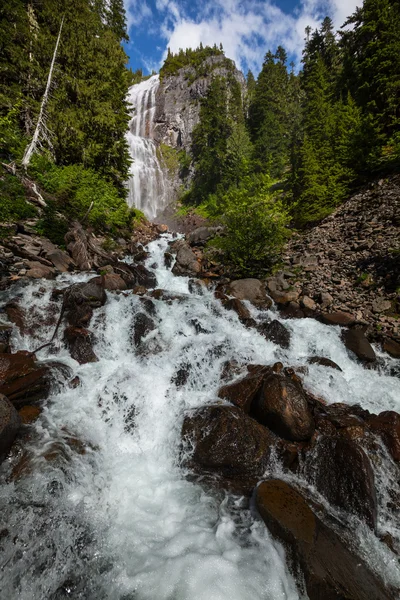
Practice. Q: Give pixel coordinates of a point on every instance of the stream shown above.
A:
(113, 514)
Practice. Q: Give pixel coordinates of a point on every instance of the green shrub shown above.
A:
(82, 194)
(13, 204)
(255, 224)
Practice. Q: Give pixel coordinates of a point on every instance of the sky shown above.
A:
(247, 29)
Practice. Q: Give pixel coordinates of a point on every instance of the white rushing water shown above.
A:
(122, 521)
(147, 189)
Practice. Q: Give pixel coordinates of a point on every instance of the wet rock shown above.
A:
(144, 277)
(143, 325)
(292, 311)
(22, 379)
(282, 406)
(252, 290)
(80, 344)
(168, 259)
(17, 315)
(391, 347)
(92, 293)
(241, 309)
(111, 282)
(126, 273)
(341, 471)
(186, 260)
(332, 568)
(181, 376)
(229, 444)
(39, 271)
(29, 414)
(80, 316)
(197, 286)
(77, 245)
(242, 393)
(276, 332)
(324, 362)
(10, 423)
(354, 339)
(149, 306)
(387, 426)
(5, 336)
(337, 318)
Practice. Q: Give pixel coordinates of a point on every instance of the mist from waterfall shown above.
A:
(147, 189)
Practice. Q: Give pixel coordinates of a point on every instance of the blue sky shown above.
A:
(247, 28)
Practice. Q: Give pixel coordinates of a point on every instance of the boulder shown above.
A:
(60, 260)
(387, 426)
(241, 393)
(381, 305)
(142, 326)
(391, 347)
(39, 271)
(5, 337)
(354, 339)
(10, 423)
(332, 567)
(111, 282)
(241, 309)
(324, 362)
(186, 261)
(126, 273)
(17, 315)
(144, 277)
(29, 414)
(284, 297)
(341, 471)
(325, 300)
(81, 298)
(337, 318)
(22, 379)
(80, 344)
(282, 406)
(228, 444)
(201, 235)
(252, 290)
(276, 332)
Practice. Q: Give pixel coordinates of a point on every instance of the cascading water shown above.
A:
(112, 515)
(147, 189)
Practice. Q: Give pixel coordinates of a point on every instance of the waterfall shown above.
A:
(113, 516)
(147, 189)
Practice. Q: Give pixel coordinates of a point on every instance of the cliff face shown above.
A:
(178, 100)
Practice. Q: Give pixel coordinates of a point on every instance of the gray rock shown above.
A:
(381, 305)
(201, 235)
(252, 290)
(186, 260)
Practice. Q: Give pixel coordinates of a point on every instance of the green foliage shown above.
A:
(83, 194)
(191, 58)
(11, 140)
(53, 224)
(255, 223)
(13, 204)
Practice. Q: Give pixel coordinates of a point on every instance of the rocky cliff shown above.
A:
(178, 100)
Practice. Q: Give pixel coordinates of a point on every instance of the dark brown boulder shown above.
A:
(332, 568)
(391, 347)
(22, 379)
(324, 362)
(39, 271)
(81, 298)
(17, 315)
(80, 344)
(126, 273)
(337, 318)
(354, 339)
(5, 337)
(241, 309)
(282, 406)
(341, 471)
(242, 393)
(387, 426)
(144, 277)
(276, 332)
(142, 326)
(228, 444)
(10, 423)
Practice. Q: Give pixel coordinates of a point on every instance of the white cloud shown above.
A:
(246, 29)
(136, 12)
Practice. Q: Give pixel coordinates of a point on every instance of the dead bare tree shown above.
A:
(41, 130)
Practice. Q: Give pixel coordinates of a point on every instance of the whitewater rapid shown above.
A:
(122, 521)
